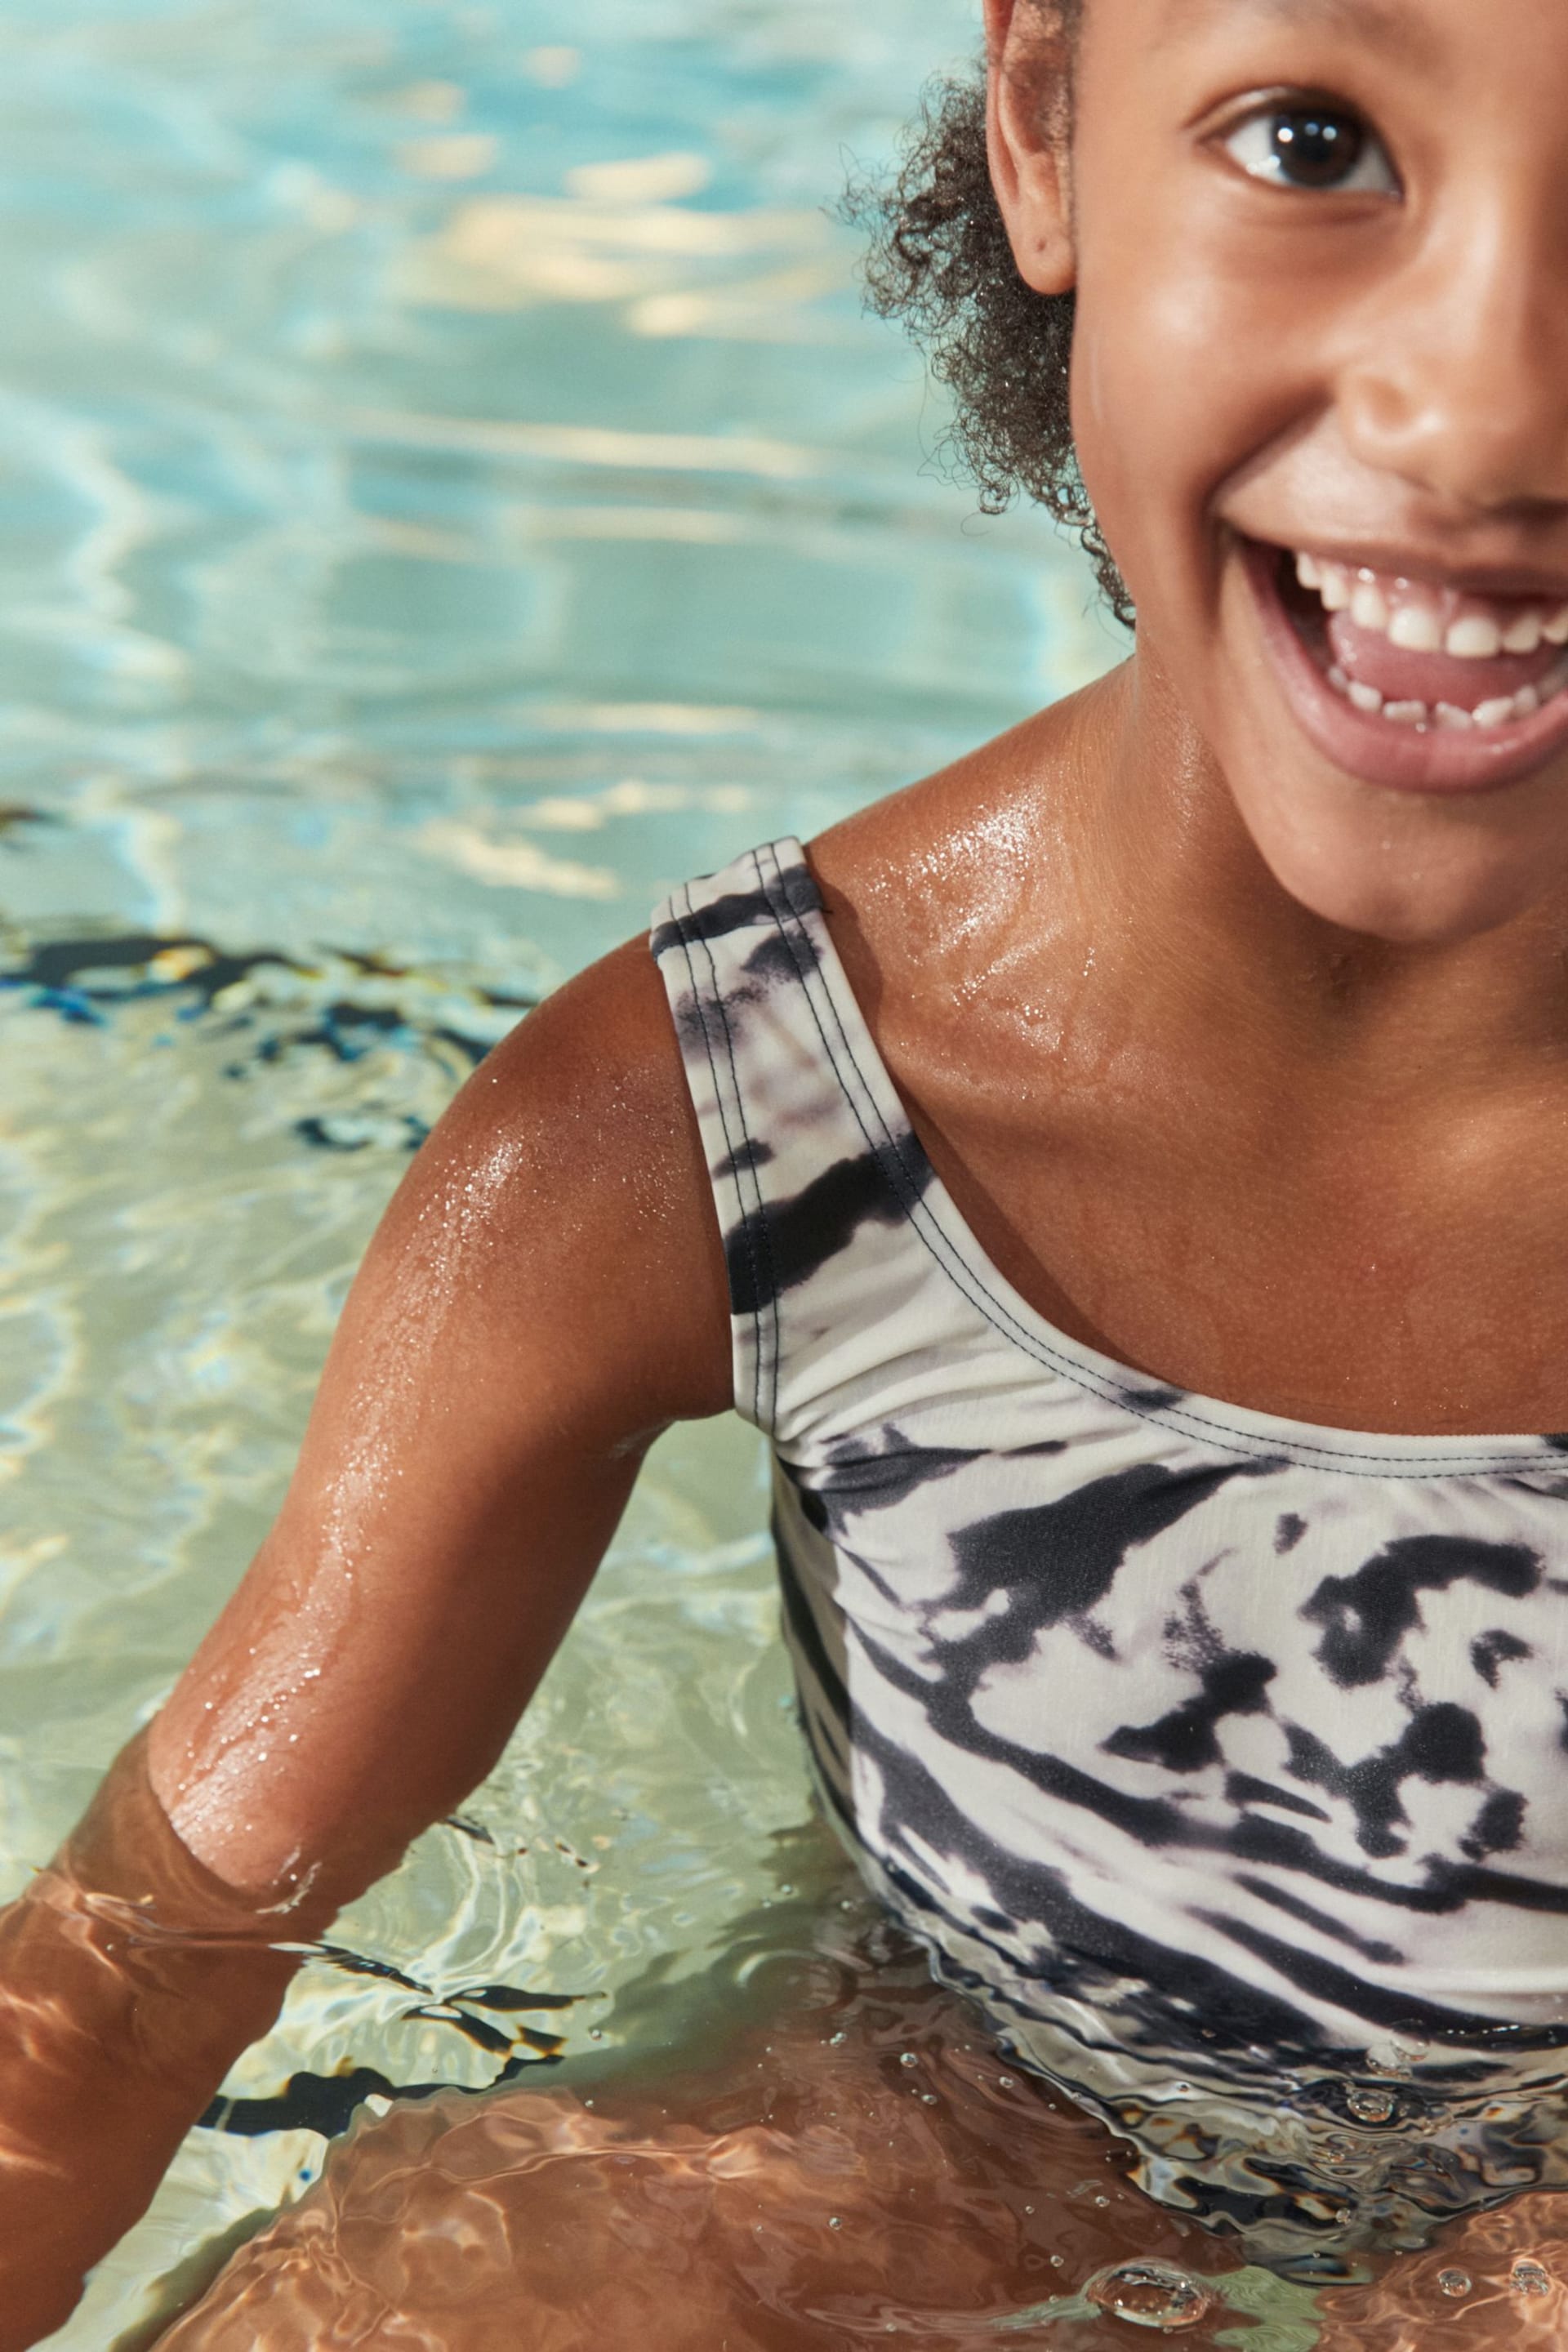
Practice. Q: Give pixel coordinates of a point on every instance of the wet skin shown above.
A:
(1250, 1072)
(1116, 962)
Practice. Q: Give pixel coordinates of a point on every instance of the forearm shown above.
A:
(130, 1982)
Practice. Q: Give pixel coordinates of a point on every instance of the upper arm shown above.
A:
(546, 1292)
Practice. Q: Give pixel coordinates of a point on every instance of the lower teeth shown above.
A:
(1503, 710)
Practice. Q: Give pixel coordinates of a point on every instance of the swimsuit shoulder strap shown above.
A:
(815, 1168)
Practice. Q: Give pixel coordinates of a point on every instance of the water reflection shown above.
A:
(446, 493)
(835, 2155)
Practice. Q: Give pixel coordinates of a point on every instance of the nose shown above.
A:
(1460, 379)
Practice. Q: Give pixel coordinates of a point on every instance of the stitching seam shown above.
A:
(706, 1004)
(754, 1221)
(760, 1240)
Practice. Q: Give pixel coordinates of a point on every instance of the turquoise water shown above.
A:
(448, 492)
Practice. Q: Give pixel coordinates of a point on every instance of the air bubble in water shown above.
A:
(1150, 2295)
(1395, 2057)
(1455, 2282)
(1529, 2278)
(1369, 2105)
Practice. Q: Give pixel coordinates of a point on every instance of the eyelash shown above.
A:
(1371, 153)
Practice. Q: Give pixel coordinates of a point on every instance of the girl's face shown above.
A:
(1321, 394)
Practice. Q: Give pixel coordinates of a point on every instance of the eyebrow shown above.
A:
(1393, 28)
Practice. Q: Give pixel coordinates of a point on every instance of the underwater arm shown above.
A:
(544, 1295)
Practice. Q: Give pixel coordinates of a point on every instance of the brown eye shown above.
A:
(1308, 146)
(1317, 149)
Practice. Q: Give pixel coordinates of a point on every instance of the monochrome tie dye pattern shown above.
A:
(1223, 1757)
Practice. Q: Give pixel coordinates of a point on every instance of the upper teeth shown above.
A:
(1422, 619)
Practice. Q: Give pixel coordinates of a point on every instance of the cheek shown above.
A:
(1180, 380)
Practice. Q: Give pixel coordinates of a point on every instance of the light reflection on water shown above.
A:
(448, 492)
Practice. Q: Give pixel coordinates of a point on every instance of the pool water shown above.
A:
(449, 492)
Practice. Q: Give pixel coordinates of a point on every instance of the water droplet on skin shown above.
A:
(1059, 2262)
(909, 2059)
(1454, 2283)
(1371, 2105)
(1150, 2295)
(1530, 2278)
(1103, 2201)
(834, 2223)
(1006, 2082)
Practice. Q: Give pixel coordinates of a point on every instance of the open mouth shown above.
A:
(1409, 684)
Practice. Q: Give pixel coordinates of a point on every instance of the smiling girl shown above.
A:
(1123, 1176)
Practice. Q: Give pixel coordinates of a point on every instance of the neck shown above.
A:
(1184, 912)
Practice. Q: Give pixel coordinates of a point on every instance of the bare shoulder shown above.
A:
(566, 1195)
(931, 876)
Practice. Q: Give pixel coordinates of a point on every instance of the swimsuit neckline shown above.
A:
(1370, 1452)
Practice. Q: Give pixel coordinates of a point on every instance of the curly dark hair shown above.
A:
(939, 261)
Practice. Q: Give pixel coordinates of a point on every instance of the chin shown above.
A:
(1407, 884)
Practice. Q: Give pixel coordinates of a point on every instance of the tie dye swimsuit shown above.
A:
(1221, 1757)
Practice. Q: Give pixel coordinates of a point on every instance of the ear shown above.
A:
(1029, 140)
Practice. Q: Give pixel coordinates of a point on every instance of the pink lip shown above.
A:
(1396, 758)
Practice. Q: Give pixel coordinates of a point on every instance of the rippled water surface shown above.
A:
(448, 492)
